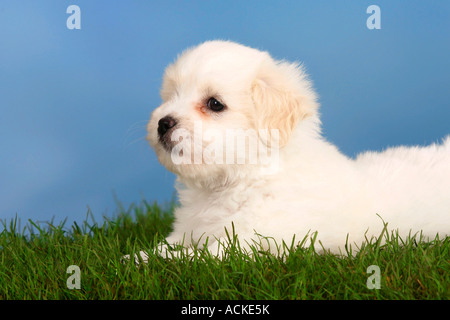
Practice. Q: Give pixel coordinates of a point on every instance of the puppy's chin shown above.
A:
(208, 176)
(200, 175)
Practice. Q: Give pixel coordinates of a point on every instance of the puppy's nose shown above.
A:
(164, 124)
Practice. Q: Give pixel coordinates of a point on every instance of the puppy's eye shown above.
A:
(214, 105)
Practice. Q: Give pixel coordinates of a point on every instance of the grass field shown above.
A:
(34, 261)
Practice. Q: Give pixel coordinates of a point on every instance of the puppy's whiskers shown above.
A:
(140, 128)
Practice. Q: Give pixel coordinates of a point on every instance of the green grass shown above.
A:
(34, 262)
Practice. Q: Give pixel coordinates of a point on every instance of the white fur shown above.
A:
(316, 188)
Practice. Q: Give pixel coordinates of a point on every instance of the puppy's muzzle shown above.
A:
(164, 126)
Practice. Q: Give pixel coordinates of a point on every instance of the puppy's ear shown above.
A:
(282, 96)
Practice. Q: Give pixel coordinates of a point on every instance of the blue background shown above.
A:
(74, 103)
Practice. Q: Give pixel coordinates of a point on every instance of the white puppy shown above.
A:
(219, 99)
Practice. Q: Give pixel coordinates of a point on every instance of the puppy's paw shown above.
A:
(172, 251)
(143, 256)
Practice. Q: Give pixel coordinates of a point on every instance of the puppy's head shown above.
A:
(220, 99)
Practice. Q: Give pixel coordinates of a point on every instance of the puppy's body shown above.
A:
(313, 187)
